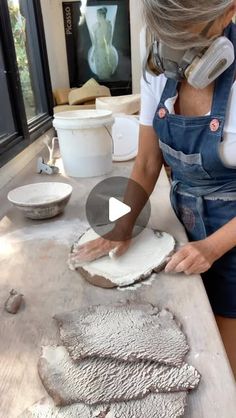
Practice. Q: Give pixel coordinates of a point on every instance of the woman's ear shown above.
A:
(229, 14)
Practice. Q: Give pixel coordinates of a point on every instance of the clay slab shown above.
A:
(165, 405)
(124, 332)
(94, 380)
(147, 254)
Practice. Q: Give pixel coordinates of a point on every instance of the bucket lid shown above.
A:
(125, 135)
(85, 119)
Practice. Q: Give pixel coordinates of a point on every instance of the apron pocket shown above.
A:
(184, 165)
(189, 212)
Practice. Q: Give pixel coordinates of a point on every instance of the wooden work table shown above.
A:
(33, 258)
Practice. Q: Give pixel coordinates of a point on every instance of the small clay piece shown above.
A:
(171, 405)
(97, 380)
(13, 302)
(128, 332)
(147, 253)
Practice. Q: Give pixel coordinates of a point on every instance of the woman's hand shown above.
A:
(197, 257)
(193, 258)
(98, 248)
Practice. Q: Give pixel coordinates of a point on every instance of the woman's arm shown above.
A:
(146, 170)
(109, 33)
(93, 34)
(149, 160)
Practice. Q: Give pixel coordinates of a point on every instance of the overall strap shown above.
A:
(169, 90)
(225, 81)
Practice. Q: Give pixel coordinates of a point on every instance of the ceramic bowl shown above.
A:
(41, 200)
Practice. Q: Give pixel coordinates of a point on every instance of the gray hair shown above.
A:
(168, 20)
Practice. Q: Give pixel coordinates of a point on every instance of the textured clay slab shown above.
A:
(165, 405)
(147, 253)
(124, 332)
(96, 380)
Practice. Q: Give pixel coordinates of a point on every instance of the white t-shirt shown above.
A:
(150, 98)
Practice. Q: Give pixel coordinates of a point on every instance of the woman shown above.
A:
(104, 54)
(195, 131)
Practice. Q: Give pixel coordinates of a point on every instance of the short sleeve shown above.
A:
(151, 92)
(227, 148)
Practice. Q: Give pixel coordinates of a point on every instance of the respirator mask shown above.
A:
(199, 66)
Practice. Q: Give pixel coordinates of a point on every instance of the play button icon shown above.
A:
(116, 203)
(117, 209)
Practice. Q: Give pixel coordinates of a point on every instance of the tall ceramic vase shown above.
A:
(102, 55)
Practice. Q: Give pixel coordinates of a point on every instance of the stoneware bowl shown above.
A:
(41, 200)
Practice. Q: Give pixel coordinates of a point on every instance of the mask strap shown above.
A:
(205, 30)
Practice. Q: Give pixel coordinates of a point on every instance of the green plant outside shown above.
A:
(18, 24)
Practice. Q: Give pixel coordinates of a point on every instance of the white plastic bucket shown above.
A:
(85, 141)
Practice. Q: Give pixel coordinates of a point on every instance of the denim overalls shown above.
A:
(203, 192)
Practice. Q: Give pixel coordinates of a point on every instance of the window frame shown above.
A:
(26, 132)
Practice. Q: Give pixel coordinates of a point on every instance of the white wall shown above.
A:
(56, 46)
(136, 26)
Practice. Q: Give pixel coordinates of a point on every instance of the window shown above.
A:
(25, 89)
(7, 125)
